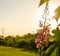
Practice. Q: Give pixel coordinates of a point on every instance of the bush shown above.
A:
(8, 41)
(1, 41)
(21, 43)
(32, 43)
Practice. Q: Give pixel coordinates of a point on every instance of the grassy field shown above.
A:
(9, 51)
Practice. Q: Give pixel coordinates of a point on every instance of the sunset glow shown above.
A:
(19, 17)
(40, 11)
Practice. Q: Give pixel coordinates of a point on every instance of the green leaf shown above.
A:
(42, 1)
(52, 48)
(57, 13)
(56, 33)
(51, 39)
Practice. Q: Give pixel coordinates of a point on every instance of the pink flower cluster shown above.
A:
(42, 36)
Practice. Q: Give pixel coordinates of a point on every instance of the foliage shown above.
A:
(57, 13)
(26, 41)
(51, 49)
(56, 33)
(1, 41)
(8, 41)
(29, 43)
(42, 1)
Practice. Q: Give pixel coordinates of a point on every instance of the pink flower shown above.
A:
(46, 36)
(42, 39)
(41, 24)
(40, 32)
(37, 40)
(38, 45)
(47, 29)
(46, 45)
(42, 35)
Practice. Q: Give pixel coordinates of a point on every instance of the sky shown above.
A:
(17, 17)
(53, 4)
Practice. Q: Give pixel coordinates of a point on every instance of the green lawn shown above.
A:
(9, 51)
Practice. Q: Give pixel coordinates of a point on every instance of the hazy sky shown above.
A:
(17, 16)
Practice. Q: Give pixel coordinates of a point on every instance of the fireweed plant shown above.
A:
(42, 36)
(43, 33)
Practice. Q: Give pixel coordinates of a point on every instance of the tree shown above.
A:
(9, 41)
